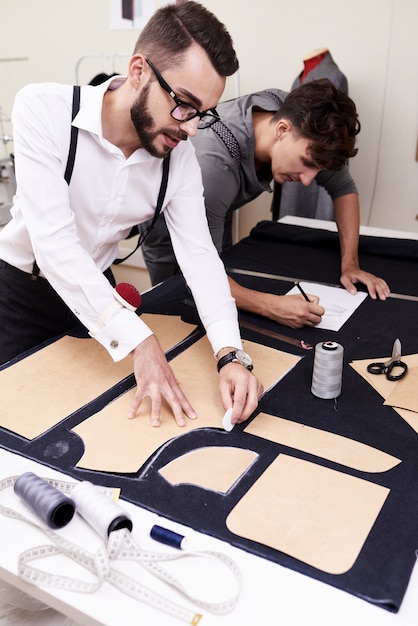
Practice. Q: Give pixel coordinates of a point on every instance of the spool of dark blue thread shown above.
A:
(168, 537)
(51, 505)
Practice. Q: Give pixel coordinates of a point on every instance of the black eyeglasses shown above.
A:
(183, 112)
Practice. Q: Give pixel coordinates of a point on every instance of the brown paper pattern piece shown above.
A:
(169, 329)
(385, 387)
(321, 443)
(316, 515)
(50, 384)
(47, 386)
(213, 468)
(405, 392)
(115, 444)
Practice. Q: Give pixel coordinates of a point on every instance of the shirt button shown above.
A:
(114, 343)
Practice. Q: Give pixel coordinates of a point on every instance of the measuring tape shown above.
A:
(119, 546)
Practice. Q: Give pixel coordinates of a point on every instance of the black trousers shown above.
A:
(31, 312)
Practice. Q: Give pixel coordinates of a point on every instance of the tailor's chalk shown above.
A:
(302, 291)
(169, 537)
(226, 421)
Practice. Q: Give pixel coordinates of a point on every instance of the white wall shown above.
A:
(374, 42)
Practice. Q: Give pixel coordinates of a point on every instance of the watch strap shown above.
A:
(231, 357)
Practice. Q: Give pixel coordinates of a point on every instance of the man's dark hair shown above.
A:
(326, 116)
(174, 28)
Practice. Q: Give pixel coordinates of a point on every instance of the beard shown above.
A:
(145, 126)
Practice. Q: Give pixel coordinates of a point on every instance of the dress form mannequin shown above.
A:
(320, 64)
(312, 60)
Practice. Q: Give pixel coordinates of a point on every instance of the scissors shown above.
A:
(388, 367)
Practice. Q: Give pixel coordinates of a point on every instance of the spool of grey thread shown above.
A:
(327, 370)
(51, 505)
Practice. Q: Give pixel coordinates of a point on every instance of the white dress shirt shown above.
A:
(73, 231)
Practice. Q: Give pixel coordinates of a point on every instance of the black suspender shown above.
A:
(70, 159)
(74, 135)
(144, 234)
(228, 137)
(69, 170)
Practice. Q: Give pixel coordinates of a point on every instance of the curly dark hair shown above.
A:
(325, 115)
(174, 28)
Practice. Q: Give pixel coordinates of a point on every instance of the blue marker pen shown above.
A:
(169, 537)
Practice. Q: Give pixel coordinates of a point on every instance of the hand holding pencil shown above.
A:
(313, 311)
(299, 286)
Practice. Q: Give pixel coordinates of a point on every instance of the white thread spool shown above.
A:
(327, 370)
(99, 510)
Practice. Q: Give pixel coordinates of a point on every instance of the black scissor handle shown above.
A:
(398, 364)
(376, 368)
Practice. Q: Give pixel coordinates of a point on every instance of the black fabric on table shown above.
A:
(307, 254)
(381, 573)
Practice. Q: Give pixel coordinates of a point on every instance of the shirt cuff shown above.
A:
(224, 333)
(122, 333)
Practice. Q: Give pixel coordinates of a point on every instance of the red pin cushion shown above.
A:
(127, 295)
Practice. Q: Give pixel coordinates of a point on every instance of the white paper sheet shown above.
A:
(339, 305)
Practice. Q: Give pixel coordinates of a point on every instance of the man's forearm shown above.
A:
(248, 299)
(347, 218)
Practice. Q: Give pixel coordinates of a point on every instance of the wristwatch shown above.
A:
(236, 356)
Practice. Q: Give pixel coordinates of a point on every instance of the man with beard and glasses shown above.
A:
(63, 237)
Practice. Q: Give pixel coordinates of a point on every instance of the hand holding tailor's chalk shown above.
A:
(127, 296)
(226, 421)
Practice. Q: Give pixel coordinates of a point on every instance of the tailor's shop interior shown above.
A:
(208, 305)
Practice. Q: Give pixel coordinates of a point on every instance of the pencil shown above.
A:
(302, 291)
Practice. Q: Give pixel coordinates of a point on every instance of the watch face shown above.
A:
(244, 358)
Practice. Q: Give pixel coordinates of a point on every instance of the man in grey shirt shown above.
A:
(305, 135)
